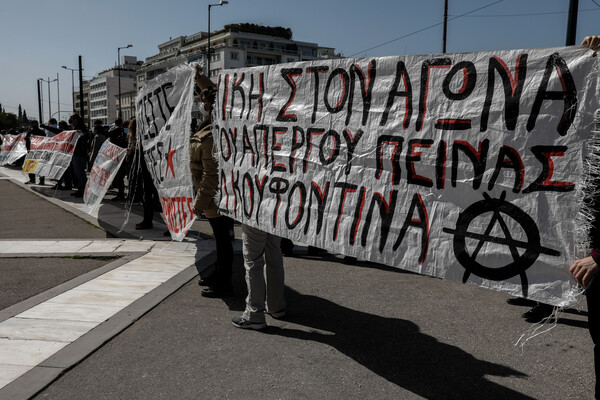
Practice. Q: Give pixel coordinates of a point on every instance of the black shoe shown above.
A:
(538, 313)
(214, 292)
(287, 247)
(143, 225)
(206, 281)
(42, 182)
(77, 194)
(350, 260)
(29, 183)
(315, 251)
(520, 301)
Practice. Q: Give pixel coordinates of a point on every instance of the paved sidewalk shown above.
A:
(48, 333)
(109, 217)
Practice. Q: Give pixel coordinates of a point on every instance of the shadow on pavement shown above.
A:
(396, 350)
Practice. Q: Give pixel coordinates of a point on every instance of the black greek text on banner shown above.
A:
(470, 167)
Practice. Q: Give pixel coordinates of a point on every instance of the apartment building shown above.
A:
(127, 102)
(101, 93)
(86, 102)
(235, 46)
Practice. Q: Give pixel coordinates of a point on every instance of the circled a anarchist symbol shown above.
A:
(522, 260)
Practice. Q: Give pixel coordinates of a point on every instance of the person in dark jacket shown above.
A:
(117, 136)
(98, 139)
(80, 154)
(34, 130)
(204, 168)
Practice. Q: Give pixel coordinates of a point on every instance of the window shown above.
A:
(234, 55)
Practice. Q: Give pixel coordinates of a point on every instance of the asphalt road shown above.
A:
(352, 332)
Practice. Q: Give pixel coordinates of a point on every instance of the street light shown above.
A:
(222, 2)
(119, 69)
(40, 107)
(49, 98)
(72, 85)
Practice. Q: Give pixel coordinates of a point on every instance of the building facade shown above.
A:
(235, 46)
(101, 93)
(86, 102)
(127, 103)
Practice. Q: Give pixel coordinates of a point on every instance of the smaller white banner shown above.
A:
(13, 148)
(51, 157)
(106, 165)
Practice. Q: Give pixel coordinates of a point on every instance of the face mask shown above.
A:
(125, 130)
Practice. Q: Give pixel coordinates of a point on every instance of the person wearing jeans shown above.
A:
(263, 261)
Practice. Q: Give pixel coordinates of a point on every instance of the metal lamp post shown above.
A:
(49, 98)
(119, 69)
(222, 2)
(72, 85)
(40, 107)
(57, 94)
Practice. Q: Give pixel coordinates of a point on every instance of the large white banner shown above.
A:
(13, 148)
(468, 167)
(105, 168)
(51, 156)
(164, 117)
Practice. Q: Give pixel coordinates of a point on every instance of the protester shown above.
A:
(117, 136)
(134, 180)
(141, 176)
(34, 130)
(98, 139)
(586, 269)
(80, 153)
(263, 262)
(66, 180)
(51, 128)
(264, 278)
(205, 172)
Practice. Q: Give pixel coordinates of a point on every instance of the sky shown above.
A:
(40, 36)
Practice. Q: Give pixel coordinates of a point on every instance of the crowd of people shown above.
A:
(86, 149)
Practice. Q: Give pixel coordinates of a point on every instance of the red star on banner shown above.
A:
(170, 161)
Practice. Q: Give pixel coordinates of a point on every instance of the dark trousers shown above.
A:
(150, 194)
(32, 179)
(222, 275)
(67, 178)
(119, 181)
(593, 302)
(79, 164)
